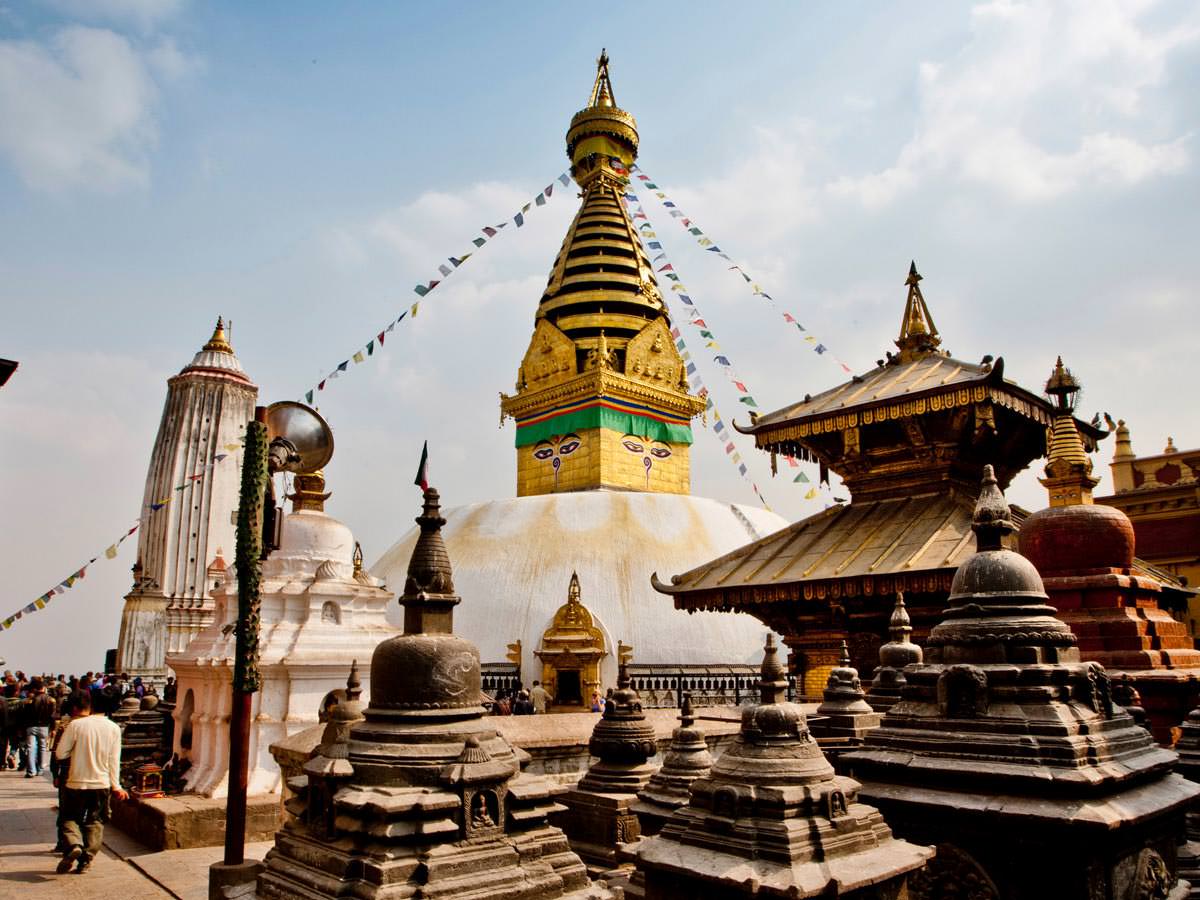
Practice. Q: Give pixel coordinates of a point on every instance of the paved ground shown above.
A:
(125, 870)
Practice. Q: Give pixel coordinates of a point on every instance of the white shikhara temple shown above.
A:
(186, 532)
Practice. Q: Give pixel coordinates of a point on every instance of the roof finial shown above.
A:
(218, 342)
(918, 335)
(353, 685)
(992, 520)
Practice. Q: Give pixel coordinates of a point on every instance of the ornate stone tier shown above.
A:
(1188, 749)
(1005, 746)
(897, 653)
(423, 797)
(772, 819)
(669, 788)
(846, 716)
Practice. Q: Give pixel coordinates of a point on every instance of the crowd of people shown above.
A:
(536, 700)
(62, 726)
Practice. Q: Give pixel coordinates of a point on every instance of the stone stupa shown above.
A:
(435, 804)
(845, 715)
(772, 819)
(669, 788)
(1008, 754)
(897, 653)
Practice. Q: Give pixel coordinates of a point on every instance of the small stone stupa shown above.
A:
(1188, 749)
(1008, 753)
(773, 820)
(600, 818)
(846, 716)
(897, 653)
(435, 804)
(669, 788)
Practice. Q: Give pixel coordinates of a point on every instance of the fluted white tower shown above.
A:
(184, 530)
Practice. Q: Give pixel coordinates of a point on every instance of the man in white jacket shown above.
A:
(92, 743)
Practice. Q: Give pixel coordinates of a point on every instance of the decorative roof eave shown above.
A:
(598, 383)
(742, 597)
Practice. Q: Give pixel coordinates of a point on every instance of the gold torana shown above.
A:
(602, 396)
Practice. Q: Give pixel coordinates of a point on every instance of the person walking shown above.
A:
(42, 712)
(92, 743)
(540, 697)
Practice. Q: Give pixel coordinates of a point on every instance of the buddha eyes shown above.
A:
(660, 452)
(632, 446)
(543, 452)
(569, 445)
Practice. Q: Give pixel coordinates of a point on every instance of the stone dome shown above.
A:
(1078, 539)
(513, 561)
(996, 573)
(308, 540)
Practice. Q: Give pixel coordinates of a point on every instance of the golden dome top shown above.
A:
(218, 342)
(601, 130)
(918, 335)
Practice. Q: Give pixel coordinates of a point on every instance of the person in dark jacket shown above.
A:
(40, 715)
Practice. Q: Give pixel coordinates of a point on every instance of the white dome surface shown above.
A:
(512, 562)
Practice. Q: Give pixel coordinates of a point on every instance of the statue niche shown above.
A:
(549, 360)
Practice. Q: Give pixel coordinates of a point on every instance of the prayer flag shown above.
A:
(654, 245)
(422, 479)
(695, 231)
(668, 203)
(342, 365)
(540, 199)
(489, 231)
(652, 186)
(181, 487)
(565, 179)
(321, 386)
(413, 310)
(358, 357)
(40, 603)
(729, 448)
(479, 242)
(519, 218)
(196, 477)
(667, 267)
(845, 367)
(217, 458)
(706, 334)
(749, 401)
(444, 269)
(742, 468)
(802, 478)
(421, 290)
(705, 242)
(811, 494)
(699, 321)
(308, 397)
(820, 348)
(379, 337)
(722, 361)
(549, 188)
(370, 348)
(741, 387)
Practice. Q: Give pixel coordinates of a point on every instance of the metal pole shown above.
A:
(245, 673)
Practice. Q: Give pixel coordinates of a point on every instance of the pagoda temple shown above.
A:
(910, 439)
(603, 436)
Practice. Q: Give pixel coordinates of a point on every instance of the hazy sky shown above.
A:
(298, 167)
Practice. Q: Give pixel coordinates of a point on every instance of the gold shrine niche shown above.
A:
(572, 649)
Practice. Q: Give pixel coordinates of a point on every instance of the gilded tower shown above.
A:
(602, 396)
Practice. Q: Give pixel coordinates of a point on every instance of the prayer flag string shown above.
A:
(422, 290)
(42, 600)
(667, 270)
(689, 225)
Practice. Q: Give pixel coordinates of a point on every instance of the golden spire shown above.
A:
(918, 335)
(218, 342)
(310, 492)
(601, 130)
(602, 94)
(1068, 480)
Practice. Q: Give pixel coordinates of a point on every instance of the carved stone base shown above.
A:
(598, 825)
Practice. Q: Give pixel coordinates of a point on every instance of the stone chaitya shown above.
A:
(1188, 749)
(669, 788)
(845, 715)
(429, 801)
(600, 818)
(1008, 754)
(772, 819)
(897, 653)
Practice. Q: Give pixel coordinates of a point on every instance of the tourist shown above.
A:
(540, 697)
(502, 706)
(597, 703)
(92, 743)
(42, 711)
(523, 705)
(58, 768)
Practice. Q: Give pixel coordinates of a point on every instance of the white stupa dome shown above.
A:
(512, 561)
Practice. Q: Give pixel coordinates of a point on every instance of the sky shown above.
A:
(298, 167)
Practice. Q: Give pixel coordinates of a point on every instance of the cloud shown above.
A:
(1040, 101)
(78, 111)
(143, 14)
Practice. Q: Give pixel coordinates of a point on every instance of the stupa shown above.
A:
(1085, 554)
(603, 439)
(845, 715)
(190, 496)
(436, 804)
(1008, 753)
(1188, 748)
(600, 817)
(772, 819)
(320, 612)
(897, 653)
(669, 788)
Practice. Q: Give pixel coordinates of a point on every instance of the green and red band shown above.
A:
(604, 412)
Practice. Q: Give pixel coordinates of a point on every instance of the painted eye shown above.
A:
(543, 452)
(632, 446)
(568, 446)
(660, 452)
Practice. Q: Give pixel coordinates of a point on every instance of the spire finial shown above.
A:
(918, 335)
(429, 597)
(1068, 480)
(218, 342)
(773, 684)
(900, 625)
(844, 657)
(353, 685)
(992, 519)
(687, 717)
(602, 94)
